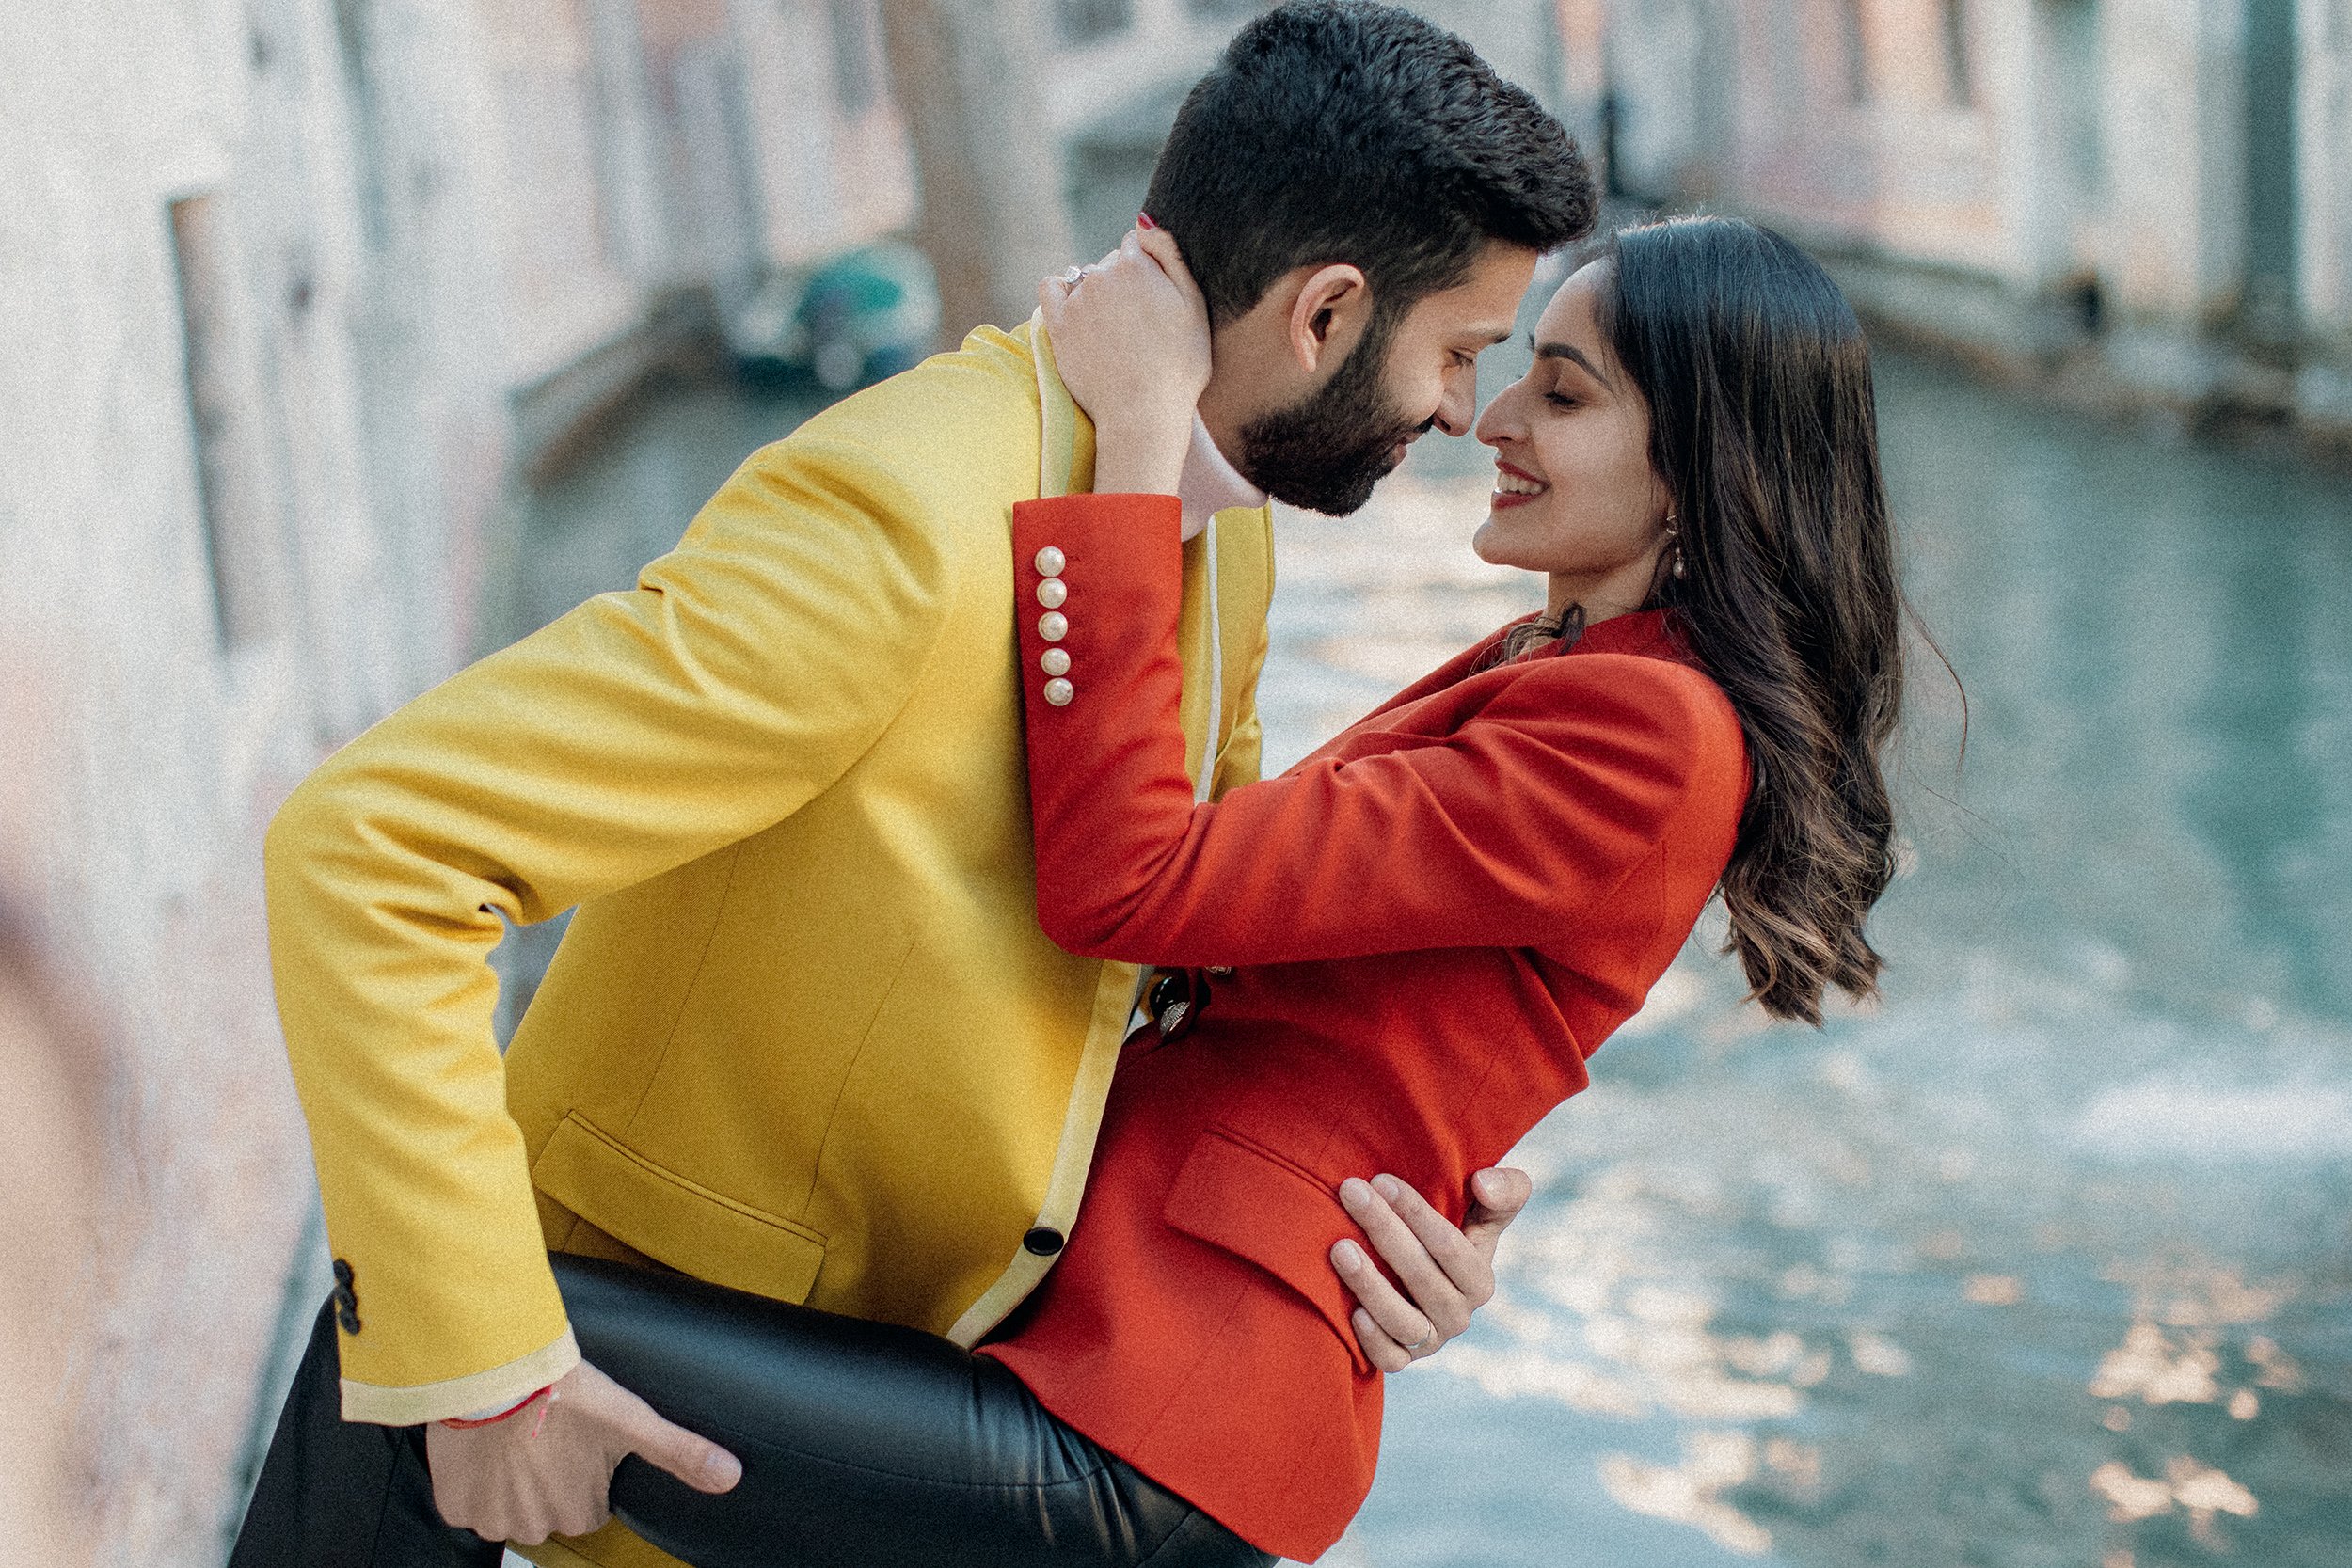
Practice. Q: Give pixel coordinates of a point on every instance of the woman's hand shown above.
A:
(548, 1469)
(1131, 339)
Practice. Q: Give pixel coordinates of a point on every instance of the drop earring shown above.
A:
(1673, 543)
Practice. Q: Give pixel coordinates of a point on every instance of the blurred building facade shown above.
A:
(290, 291)
(2148, 200)
(1122, 66)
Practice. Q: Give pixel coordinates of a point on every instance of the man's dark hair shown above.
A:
(1338, 130)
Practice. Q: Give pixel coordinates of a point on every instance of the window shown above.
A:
(227, 500)
(854, 84)
(1857, 53)
(1085, 21)
(1960, 82)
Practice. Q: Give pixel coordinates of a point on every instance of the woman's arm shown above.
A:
(1499, 834)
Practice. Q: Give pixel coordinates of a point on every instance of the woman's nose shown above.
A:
(1499, 424)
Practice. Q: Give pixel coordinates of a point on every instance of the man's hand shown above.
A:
(1449, 1273)
(548, 1469)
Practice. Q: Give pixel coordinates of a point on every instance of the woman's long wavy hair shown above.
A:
(1764, 429)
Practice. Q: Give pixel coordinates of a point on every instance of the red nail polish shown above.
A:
(1143, 220)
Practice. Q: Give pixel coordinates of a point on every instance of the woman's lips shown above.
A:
(1515, 487)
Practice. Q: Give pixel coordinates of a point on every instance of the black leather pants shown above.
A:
(864, 1446)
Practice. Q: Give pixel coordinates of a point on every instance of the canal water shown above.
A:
(2043, 1263)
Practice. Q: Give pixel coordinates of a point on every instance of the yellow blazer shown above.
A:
(803, 1037)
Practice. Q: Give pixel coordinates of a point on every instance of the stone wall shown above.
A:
(287, 290)
(2139, 202)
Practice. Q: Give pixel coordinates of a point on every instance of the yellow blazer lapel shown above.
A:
(1066, 467)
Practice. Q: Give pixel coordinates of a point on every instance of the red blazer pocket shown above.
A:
(1267, 1212)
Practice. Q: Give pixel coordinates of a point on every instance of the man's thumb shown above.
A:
(1502, 1193)
(698, 1462)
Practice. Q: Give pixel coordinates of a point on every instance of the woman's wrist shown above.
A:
(1141, 457)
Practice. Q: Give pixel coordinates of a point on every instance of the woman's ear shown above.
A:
(1329, 313)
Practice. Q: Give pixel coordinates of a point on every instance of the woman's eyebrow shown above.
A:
(1566, 351)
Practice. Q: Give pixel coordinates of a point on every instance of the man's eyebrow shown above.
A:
(1566, 351)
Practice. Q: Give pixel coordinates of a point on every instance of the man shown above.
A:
(803, 1037)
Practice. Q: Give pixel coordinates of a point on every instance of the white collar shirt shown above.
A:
(1209, 484)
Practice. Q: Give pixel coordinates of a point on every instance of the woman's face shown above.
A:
(1575, 495)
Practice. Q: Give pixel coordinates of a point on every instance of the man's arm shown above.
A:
(1447, 1274)
(746, 671)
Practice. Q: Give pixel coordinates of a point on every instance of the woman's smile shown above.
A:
(1515, 487)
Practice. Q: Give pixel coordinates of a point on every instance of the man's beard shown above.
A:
(1326, 451)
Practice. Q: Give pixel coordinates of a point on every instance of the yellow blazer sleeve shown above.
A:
(746, 671)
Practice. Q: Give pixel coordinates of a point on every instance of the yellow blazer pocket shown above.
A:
(1264, 1210)
(672, 1220)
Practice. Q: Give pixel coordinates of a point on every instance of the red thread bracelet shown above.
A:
(462, 1424)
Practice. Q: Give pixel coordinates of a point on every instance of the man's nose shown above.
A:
(1458, 410)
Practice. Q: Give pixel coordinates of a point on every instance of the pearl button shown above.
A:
(1052, 592)
(1052, 625)
(1055, 661)
(1059, 691)
(1050, 561)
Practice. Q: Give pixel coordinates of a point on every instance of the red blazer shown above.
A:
(1430, 923)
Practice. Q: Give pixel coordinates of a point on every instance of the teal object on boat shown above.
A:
(868, 314)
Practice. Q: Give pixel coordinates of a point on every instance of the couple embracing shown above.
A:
(925, 883)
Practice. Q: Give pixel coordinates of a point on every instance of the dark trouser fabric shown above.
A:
(864, 1446)
(337, 1493)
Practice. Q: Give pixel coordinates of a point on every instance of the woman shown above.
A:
(1422, 929)
(1395, 956)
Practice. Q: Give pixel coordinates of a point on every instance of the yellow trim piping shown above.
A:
(1115, 998)
(434, 1402)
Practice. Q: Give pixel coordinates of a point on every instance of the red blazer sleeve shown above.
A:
(1500, 834)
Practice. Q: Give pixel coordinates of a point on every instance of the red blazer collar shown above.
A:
(1650, 633)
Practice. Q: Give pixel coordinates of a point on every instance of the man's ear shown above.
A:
(1327, 313)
